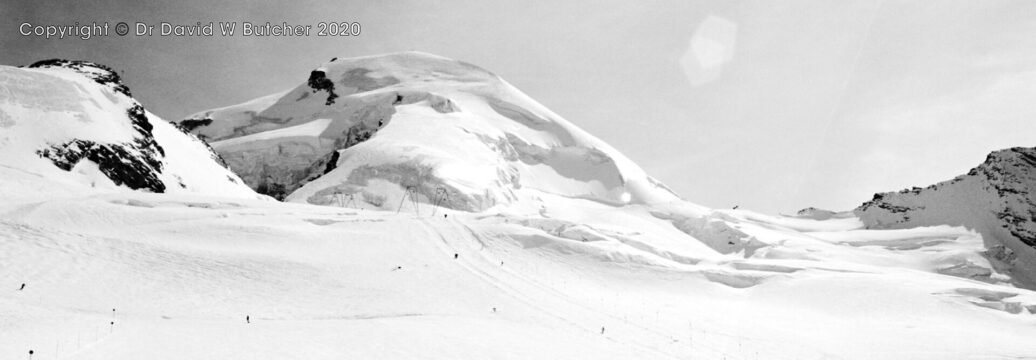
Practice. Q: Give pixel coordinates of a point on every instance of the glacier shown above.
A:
(479, 224)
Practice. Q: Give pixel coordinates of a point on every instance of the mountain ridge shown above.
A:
(509, 141)
(995, 198)
(78, 117)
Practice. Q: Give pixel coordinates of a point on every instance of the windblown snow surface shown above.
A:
(565, 268)
(453, 133)
(71, 116)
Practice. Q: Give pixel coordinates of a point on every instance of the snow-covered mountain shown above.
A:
(77, 118)
(997, 199)
(451, 132)
(555, 246)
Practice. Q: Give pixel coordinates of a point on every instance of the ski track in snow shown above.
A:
(579, 254)
(184, 271)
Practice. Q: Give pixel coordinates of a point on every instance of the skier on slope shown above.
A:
(22, 288)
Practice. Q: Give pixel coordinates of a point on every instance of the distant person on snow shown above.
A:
(602, 330)
(455, 255)
(248, 320)
(22, 288)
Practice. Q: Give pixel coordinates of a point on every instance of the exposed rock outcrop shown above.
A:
(66, 112)
(997, 199)
(447, 132)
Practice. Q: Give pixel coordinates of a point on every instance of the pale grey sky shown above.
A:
(771, 105)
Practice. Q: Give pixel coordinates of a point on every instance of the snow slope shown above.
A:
(996, 198)
(559, 268)
(75, 120)
(183, 271)
(454, 133)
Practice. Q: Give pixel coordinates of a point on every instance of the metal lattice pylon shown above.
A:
(440, 197)
(351, 199)
(344, 200)
(411, 192)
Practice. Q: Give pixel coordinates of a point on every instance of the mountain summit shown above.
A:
(575, 254)
(997, 199)
(75, 121)
(415, 126)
